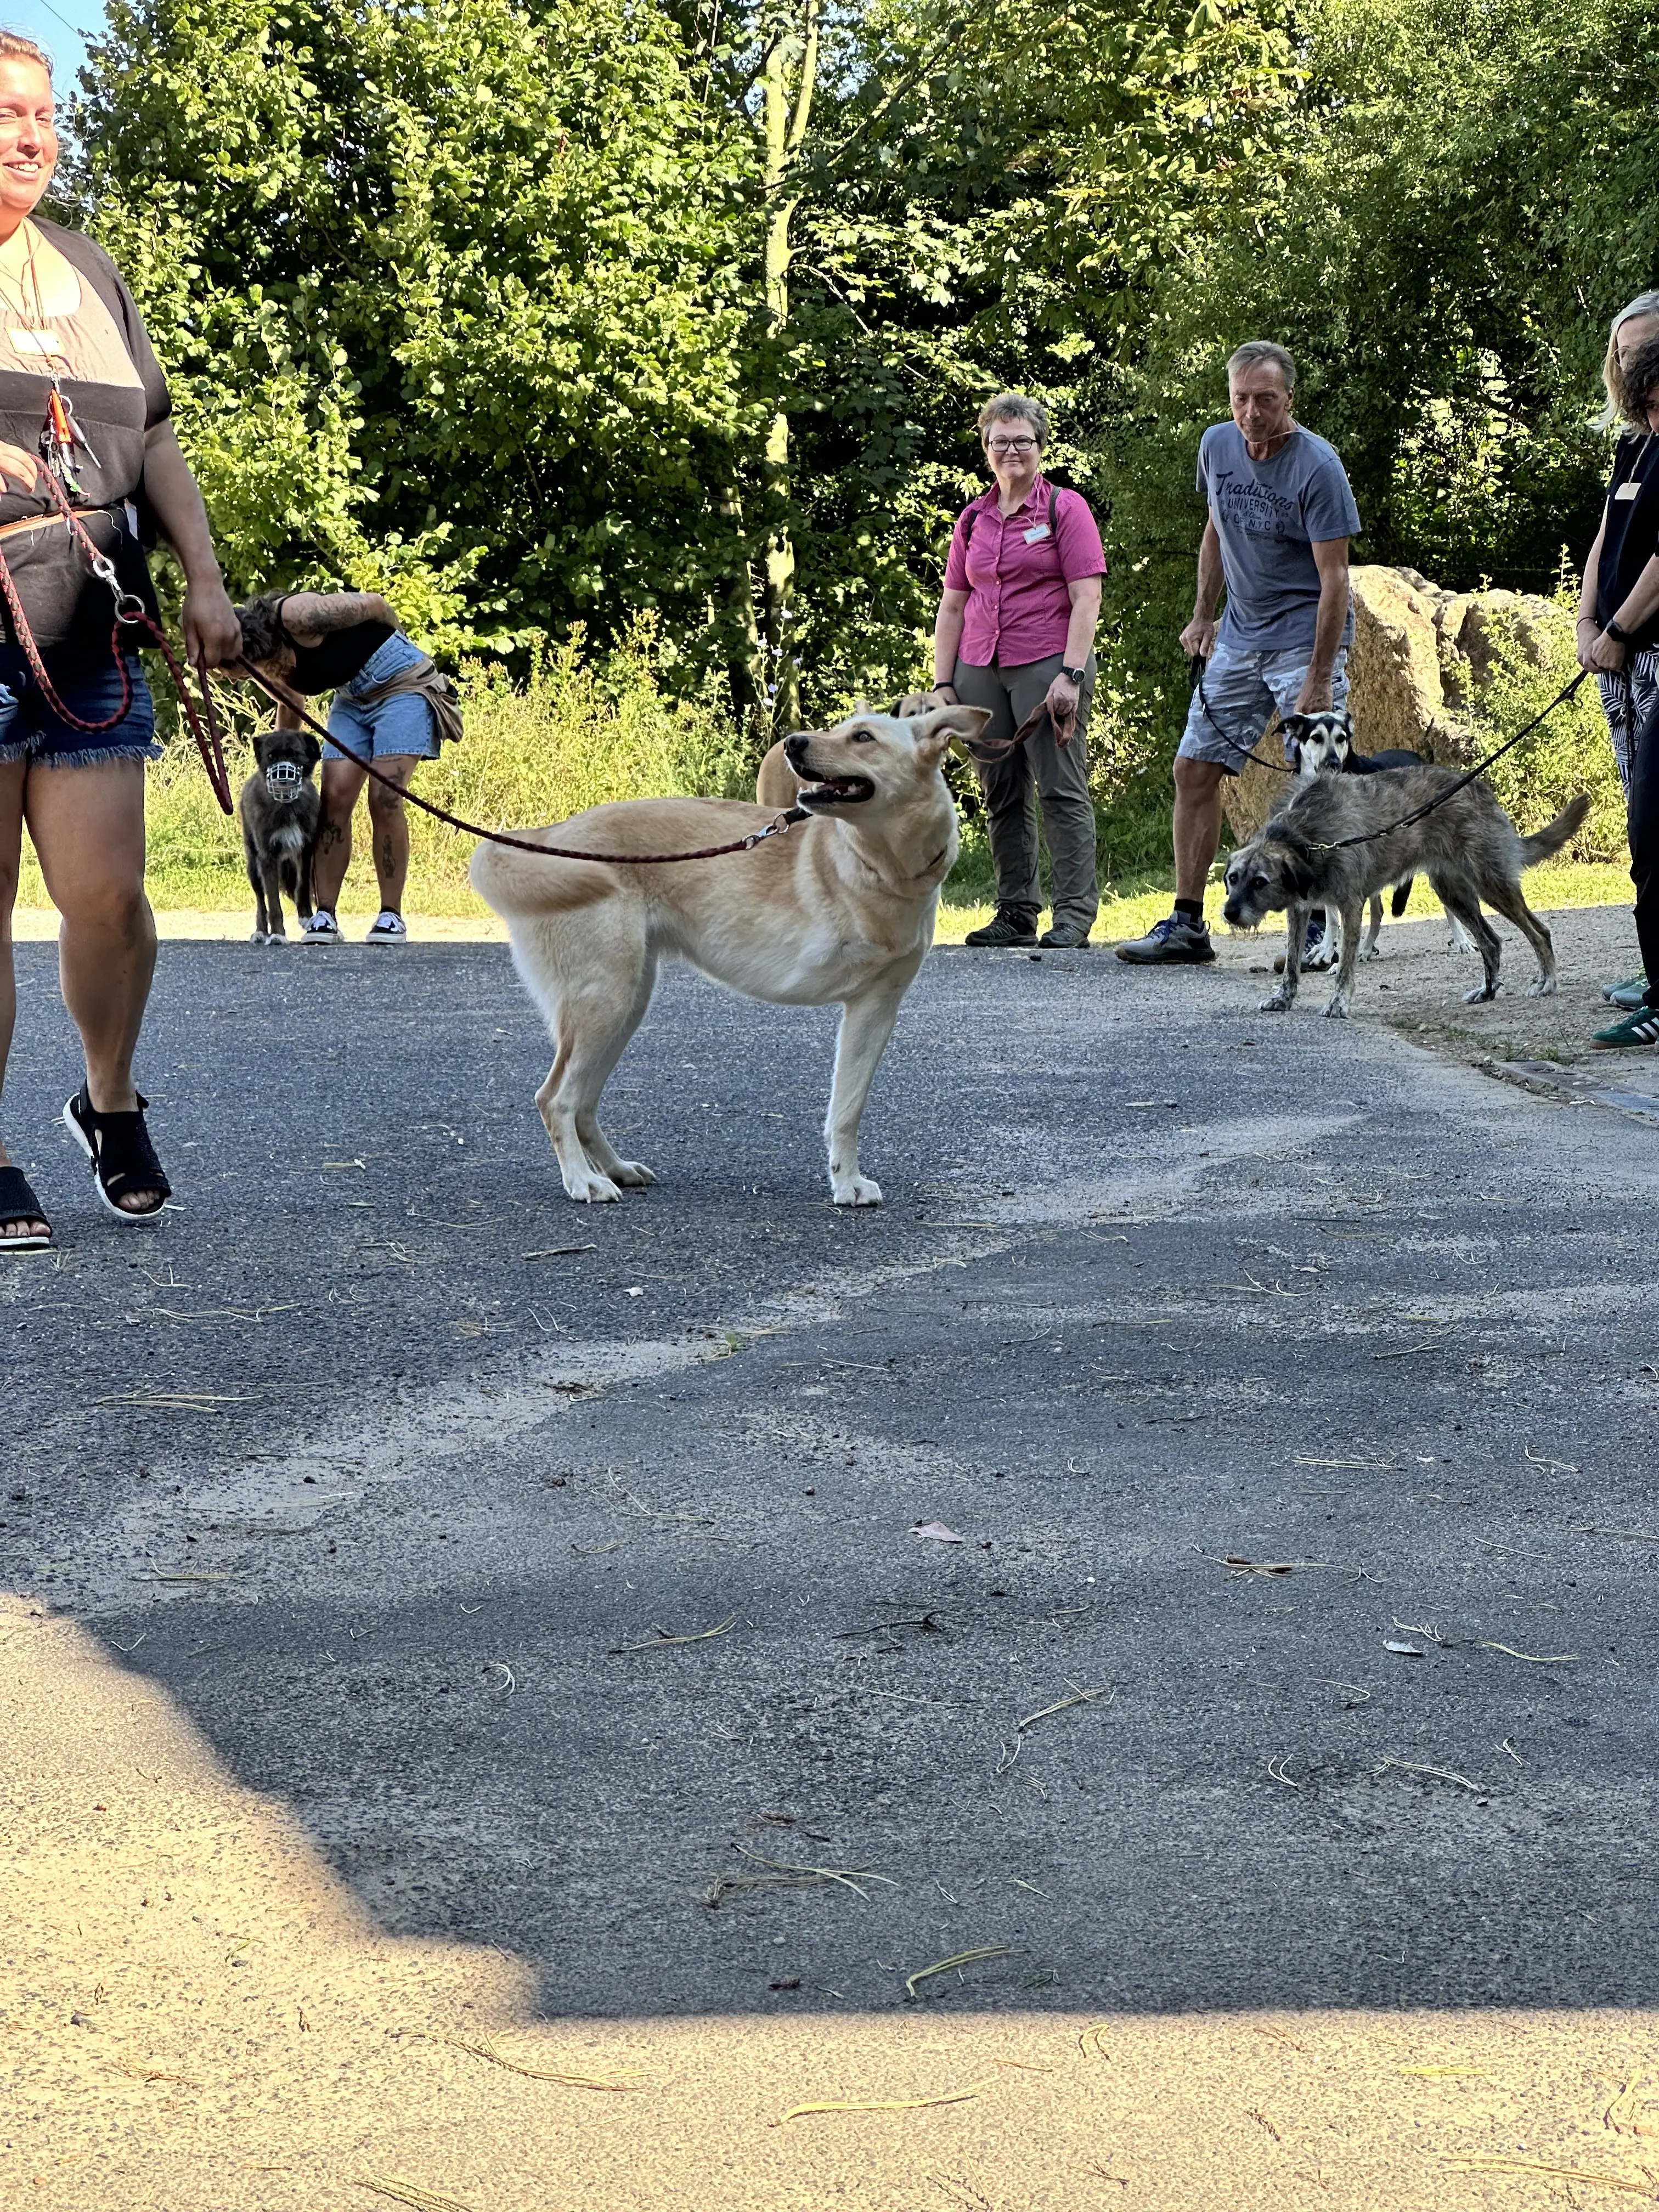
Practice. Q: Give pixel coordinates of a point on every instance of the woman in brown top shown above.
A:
(82, 396)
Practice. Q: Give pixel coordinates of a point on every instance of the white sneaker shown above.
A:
(390, 929)
(320, 928)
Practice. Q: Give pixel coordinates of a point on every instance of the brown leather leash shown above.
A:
(131, 614)
(279, 691)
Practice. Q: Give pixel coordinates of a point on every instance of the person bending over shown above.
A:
(1281, 514)
(391, 707)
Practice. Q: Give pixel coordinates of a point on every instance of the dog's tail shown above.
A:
(1402, 893)
(1553, 835)
(515, 883)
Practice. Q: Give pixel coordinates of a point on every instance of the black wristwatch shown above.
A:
(1612, 629)
(1072, 675)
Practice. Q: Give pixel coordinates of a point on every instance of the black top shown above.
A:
(66, 605)
(1630, 536)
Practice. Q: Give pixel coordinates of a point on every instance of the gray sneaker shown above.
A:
(1174, 941)
(1065, 937)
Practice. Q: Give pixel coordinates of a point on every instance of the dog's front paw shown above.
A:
(1543, 988)
(1479, 996)
(855, 1190)
(633, 1175)
(1278, 1003)
(1370, 952)
(277, 937)
(1338, 1008)
(256, 937)
(589, 1187)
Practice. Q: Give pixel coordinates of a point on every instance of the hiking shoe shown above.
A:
(1626, 996)
(1313, 960)
(1003, 928)
(1173, 941)
(389, 929)
(1065, 937)
(1640, 1026)
(319, 928)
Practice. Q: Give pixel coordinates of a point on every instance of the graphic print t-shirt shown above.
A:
(101, 354)
(1268, 516)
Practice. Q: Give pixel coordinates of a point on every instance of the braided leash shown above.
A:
(274, 690)
(131, 614)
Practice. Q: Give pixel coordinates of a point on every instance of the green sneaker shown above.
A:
(1626, 996)
(1640, 1026)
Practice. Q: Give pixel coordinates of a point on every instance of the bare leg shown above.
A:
(341, 784)
(1197, 823)
(389, 822)
(1280, 1001)
(88, 824)
(11, 848)
(866, 1023)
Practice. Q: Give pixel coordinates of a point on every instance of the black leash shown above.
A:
(1371, 836)
(1195, 682)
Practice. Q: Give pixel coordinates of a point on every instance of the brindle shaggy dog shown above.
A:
(1467, 846)
(280, 807)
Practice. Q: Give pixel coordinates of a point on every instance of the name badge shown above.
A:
(34, 342)
(1632, 491)
(1036, 534)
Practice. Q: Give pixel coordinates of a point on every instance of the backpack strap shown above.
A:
(972, 509)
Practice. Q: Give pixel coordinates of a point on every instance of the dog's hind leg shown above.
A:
(1342, 997)
(591, 976)
(866, 1023)
(1280, 1001)
(1509, 901)
(630, 1175)
(1462, 904)
(1371, 949)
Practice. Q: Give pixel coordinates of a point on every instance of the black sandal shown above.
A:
(123, 1157)
(18, 1203)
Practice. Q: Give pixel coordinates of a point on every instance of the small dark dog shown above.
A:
(280, 807)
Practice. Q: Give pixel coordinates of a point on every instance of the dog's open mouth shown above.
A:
(837, 790)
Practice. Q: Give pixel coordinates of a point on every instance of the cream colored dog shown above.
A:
(839, 908)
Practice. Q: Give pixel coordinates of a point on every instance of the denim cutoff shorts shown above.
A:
(402, 723)
(90, 685)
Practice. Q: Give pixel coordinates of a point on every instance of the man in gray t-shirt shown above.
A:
(1281, 514)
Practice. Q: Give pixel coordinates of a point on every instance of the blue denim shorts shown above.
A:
(402, 723)
(90, 685)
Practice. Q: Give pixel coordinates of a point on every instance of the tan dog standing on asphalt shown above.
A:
(841, 909)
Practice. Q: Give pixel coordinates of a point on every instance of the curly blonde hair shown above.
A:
(1621, 406)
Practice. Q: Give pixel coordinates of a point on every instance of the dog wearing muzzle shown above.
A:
(280, 807)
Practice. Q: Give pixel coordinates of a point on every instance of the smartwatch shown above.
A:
(1612, 629)
(1072, 675)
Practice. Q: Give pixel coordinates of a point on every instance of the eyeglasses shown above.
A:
(1001, 446)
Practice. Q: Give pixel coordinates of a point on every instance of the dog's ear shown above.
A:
(313, 752)
(1294, 728)
(1296, 868)
(934, 730)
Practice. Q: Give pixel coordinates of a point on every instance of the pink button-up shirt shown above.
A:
(1015, 571)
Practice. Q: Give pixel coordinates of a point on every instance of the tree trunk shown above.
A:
(785, 115)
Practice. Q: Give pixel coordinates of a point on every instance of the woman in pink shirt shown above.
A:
(1016, 630)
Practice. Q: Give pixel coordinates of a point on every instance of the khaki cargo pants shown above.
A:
(1040, 769)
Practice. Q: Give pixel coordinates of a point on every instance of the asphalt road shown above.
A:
(1162, 1286)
